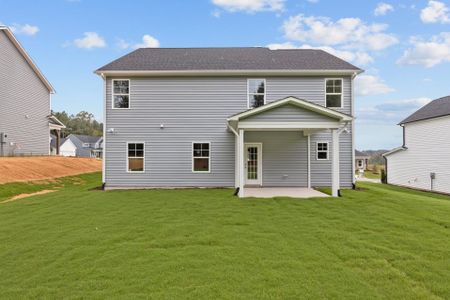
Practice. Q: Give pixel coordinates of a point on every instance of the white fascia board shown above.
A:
(288, 125)
(394, 151)
(229, 73)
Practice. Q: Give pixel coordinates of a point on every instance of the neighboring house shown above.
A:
(361, 160)
(82, 146)
(25, 115)
(422, 162)
(54, 147)
(228, 117)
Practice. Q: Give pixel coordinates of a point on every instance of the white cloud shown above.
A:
(357, 57)
(427, 53)
(250, 6)
(216, 14)
(25, 29)
(382, 9)
(122, 44)
(349, 33)
(390, 111)
(369, 85)
(435, 12)
(147, 42)
(90, 40)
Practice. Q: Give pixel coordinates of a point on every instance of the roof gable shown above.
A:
(306, 105)
(27, 57)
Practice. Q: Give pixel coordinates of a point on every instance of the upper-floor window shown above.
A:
(86, 145)
(121, 93)
(333, 92)
(256, 92)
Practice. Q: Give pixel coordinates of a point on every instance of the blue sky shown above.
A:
(404, 46)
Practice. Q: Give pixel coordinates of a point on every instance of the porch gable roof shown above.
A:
(296, 102)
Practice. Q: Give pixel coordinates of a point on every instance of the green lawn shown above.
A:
(369, 174)
(78, 242)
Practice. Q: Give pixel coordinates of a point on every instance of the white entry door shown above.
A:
(253, 164)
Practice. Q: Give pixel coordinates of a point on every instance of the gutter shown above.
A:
(224, 72)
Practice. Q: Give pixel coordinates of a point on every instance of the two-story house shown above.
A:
(228, 117)
(422, 162)
(25, 99)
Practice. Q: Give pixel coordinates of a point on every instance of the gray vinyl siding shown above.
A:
(289, 113)
(284, 157)
(195, 109)
(24, 104)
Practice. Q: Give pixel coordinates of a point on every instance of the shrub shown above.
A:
(383, 176)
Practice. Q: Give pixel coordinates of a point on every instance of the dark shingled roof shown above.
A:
(436, 108)
(87, 138)
(256, 58)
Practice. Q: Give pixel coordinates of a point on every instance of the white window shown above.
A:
(86, 145)
(256, 92)
(360, 163)
(201, 157)
(322, 151)
(121, 93)
(333, 92)
(135, 161)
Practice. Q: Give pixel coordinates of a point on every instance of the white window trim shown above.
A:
(143, 158)
(113, 94)
(192, 155)
(86, 145)
(248, 92)
(317, 150)
(342, 92)
(360, 163)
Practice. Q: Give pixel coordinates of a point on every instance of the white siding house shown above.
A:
(68, 148)
(423, 162)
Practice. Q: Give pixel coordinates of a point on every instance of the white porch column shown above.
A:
(308, 152)
(241, 163)
(335, 163)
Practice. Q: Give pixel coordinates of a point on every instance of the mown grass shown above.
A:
(371, 175)
(375, 242)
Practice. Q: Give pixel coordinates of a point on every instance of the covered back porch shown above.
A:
(273, 148)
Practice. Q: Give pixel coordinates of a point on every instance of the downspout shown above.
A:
(236, 191)
(404, 138)
(353, 129)
(104, 134)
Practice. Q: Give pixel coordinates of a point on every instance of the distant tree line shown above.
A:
(81, 123)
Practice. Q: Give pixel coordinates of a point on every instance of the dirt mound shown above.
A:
(14, 169)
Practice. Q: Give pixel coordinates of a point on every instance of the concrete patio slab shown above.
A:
(270, 192)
